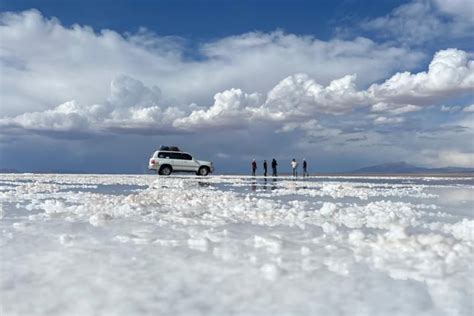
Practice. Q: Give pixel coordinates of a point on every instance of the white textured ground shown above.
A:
(127, 245)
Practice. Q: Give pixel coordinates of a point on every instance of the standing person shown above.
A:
(305, 168)
(254, 167)
(294, 166)
(265, 166)
(274, 167)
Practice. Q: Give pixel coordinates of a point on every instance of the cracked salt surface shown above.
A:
(127, 245)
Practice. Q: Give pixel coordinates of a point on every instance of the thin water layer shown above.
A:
(185, 245)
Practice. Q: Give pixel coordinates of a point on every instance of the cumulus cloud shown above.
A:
(450, 72)
(131, 107)
(231, 108)
(331, 93)
(45, 63)
(134, 107)
(300, 95)
(299, 98)
(63, 118)
(128, 92)
(295, 98)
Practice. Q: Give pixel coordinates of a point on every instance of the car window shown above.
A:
(176, 156)
(172, 155)
(164, 155)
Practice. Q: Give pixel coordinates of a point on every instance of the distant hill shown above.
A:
(403, 167)
(8, 170)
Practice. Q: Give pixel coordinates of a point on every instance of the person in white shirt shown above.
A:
(294, 166)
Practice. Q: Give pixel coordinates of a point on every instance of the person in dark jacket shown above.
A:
(265, 167)
(274, 167)
(254, 167)
(305, 168)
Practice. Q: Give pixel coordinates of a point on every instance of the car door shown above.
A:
(189, 163)
(165, 158)
(177, 162)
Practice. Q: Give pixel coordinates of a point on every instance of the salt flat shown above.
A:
(220, 245)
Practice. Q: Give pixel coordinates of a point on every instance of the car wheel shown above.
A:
(203, 171)
(165, 170)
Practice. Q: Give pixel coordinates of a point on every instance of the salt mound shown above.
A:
(99, 219)
(463, 230)
(328, 209)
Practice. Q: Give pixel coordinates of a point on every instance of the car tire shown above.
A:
(165, 170)
(203, 171)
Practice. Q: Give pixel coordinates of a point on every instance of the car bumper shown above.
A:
(153, 167)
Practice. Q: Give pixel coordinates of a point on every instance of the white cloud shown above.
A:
(450, 109)
(231, 108)
(423, 20)
(310, 125)
(300, 96)
(450, 72)
(136, 108)
(127, 92)
(64, 118)
(459, 9)
(315, 132)
(469, 108)
(44, 63)
(395, 109)
(270, 82)
(452, 158)
(131, 107)
(388, 120)
(455, 158)
(404, 22)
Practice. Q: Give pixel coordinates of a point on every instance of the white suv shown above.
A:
(170, 159)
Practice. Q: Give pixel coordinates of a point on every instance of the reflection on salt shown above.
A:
(237, 245)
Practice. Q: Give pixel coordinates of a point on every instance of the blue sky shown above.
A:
(96, 85)
(204, 20)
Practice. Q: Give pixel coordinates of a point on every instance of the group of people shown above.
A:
(294, 166)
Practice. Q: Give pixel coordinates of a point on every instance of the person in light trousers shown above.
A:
(294, 167)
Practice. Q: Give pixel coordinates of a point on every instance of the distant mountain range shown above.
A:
(10, 170)
(403, 167)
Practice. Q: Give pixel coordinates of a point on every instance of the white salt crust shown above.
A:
(199, 239)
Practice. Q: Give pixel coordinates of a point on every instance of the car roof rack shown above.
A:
(169, 148)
